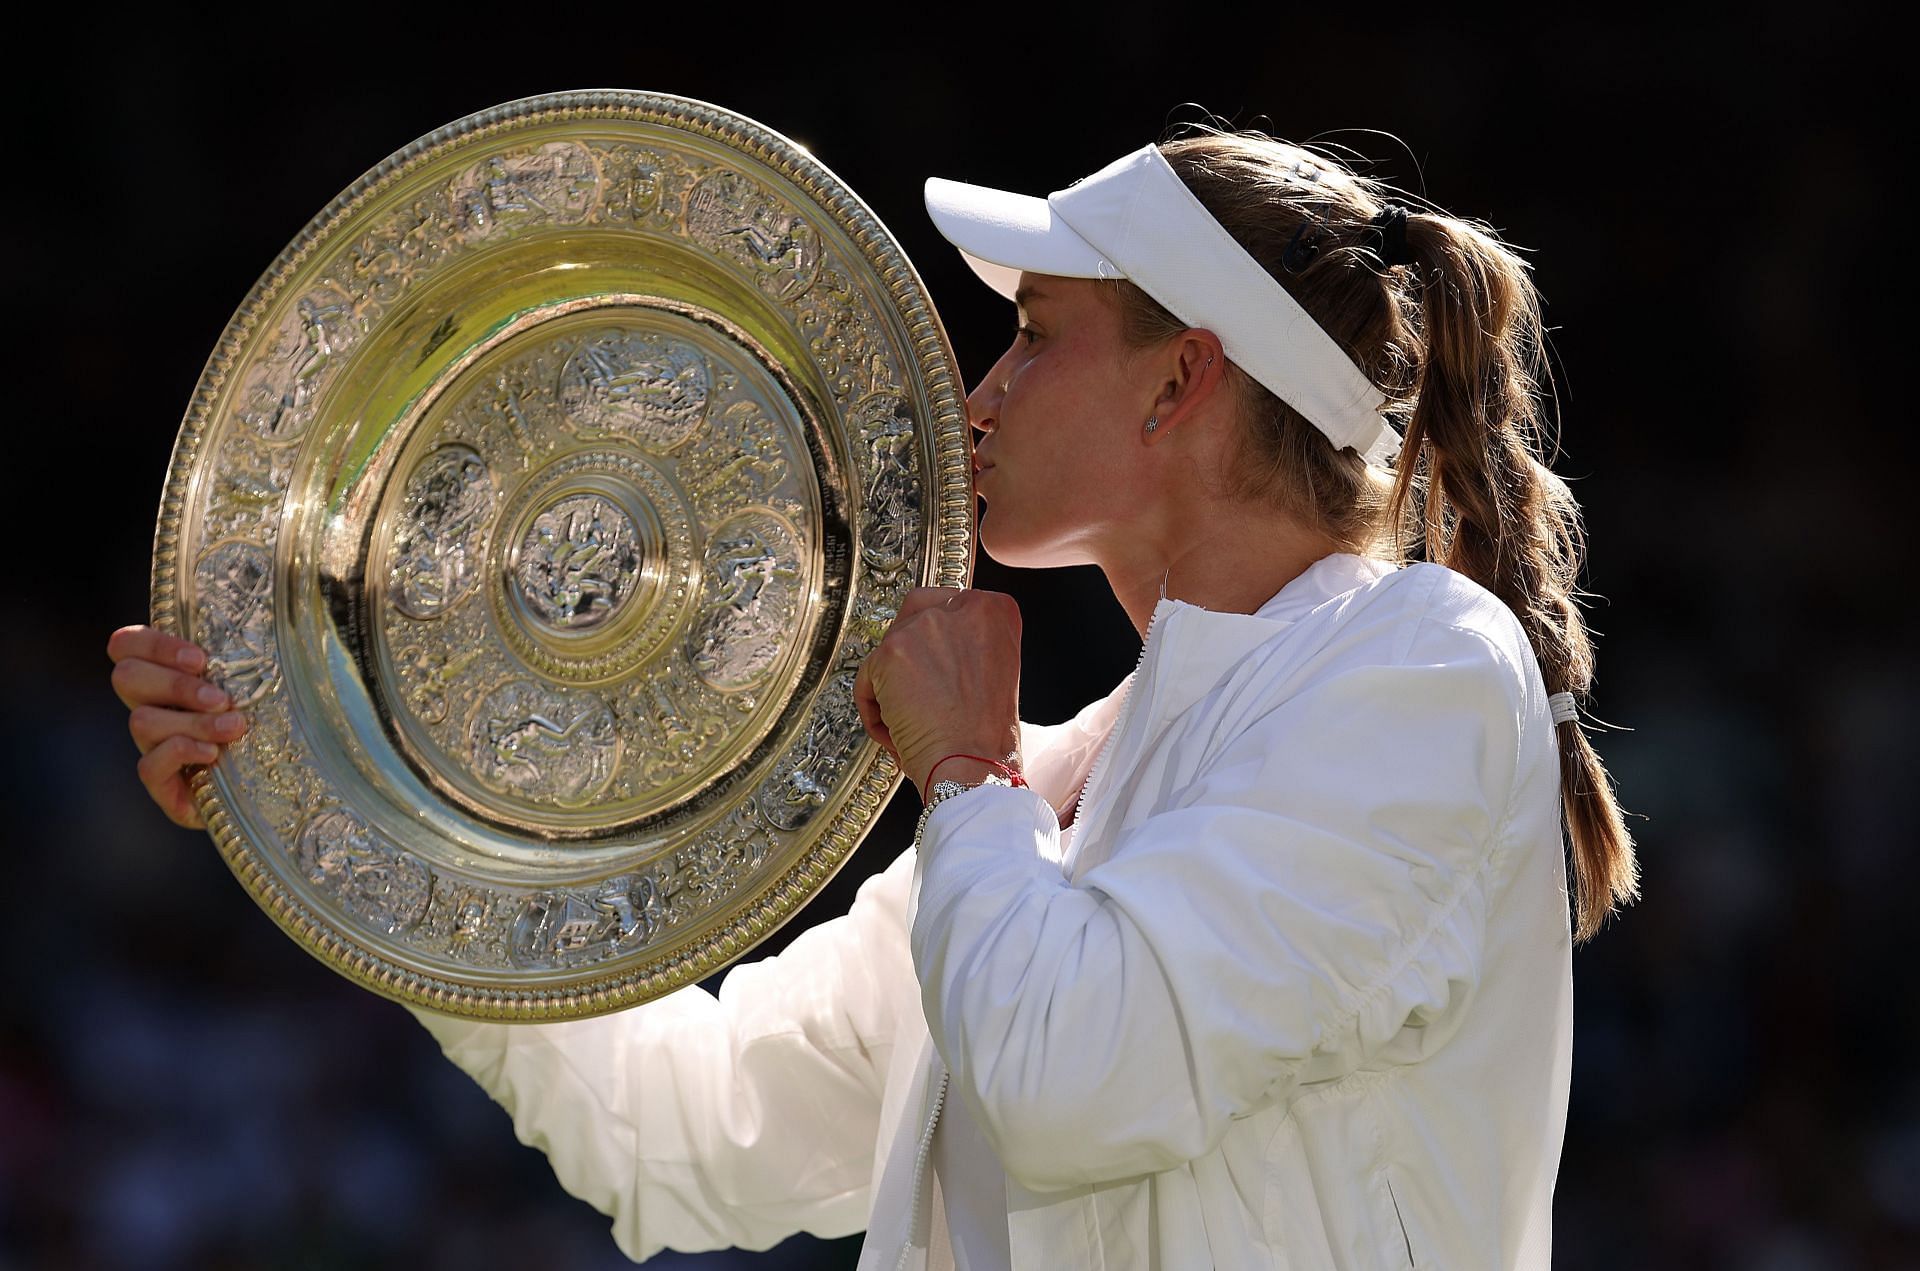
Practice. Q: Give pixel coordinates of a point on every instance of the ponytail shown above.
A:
(1472, 492)
(1445, 321)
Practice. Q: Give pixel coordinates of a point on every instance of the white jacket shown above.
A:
(1298, 996)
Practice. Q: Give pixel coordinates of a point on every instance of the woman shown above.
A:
(1262, 960)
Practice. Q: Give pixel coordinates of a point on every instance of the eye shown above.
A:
(1028, 334)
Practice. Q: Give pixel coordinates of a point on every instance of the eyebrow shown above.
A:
(1026, 294)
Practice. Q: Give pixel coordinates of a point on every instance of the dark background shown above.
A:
(1710, 209)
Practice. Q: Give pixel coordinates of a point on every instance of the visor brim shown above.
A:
(1002, 235)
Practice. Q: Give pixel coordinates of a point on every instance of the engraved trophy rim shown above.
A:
(264, 862)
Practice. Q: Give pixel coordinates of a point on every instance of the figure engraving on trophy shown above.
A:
(278, 403)
(637, 180)
(384, 886)
(569, 928)
(727, 211)
(752, 577)
(665, 711)
(468, 921)
(419, 235)
(559, 181)
(675, 724)
(892, 495)
(712, 866)
(233, 587)
(439, 542)
(652, 391)
(544, 744)
(506, 411)
(578, 561)
(831, 736)
(245, 501)
(428, 674)
(741, 462)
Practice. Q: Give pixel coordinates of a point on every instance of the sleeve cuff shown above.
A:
(987, 839)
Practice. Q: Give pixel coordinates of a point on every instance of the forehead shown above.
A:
(1053, 291)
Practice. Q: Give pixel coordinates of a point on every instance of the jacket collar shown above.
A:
(1197, 646)
(1189, 650)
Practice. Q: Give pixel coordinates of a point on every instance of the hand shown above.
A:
(945, 680)
(178, 719)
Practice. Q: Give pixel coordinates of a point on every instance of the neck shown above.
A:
(1234, 566)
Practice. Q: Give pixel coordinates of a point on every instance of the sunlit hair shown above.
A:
(1454, 340)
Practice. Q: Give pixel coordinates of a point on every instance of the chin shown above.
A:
(1016, 552)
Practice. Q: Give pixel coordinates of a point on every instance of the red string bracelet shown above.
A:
(1012, 773)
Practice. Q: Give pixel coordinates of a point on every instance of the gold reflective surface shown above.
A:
(540, 504)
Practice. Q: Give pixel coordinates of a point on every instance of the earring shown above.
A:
(1153, 422)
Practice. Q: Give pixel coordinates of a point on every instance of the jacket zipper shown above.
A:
(1398, 1218)
(920, 1165)
(1093, 779)
(1126, 709)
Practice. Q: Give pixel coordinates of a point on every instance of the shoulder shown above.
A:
(1418, 615)
(1420, 651)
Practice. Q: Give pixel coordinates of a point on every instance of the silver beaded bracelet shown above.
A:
(944, 790)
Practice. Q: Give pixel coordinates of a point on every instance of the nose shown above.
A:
(983, 403)
(982, 420)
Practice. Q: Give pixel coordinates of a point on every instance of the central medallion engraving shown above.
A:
(578, 562)
(595, 560)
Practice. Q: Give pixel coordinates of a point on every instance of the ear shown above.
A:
(1193, 374)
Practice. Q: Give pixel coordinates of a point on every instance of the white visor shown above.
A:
(1136, 219)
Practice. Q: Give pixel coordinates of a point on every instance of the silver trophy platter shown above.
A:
(539, 506)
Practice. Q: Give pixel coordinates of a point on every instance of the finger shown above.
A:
(177, 802)
(152, 645)
(139, 682)
(162, 773)
(151, 725)
(868, 703)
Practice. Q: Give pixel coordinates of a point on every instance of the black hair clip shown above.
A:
(1301, 248)
(1391, 228)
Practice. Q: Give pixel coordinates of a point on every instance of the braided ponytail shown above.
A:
(1472, 491)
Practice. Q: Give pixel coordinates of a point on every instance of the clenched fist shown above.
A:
(945, 680)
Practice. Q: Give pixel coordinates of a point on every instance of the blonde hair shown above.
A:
(1454, 340)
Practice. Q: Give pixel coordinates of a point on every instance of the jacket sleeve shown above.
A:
(1314, 888)
(698, 1122)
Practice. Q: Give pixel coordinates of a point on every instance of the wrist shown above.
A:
(947, 788)
(969, 769)
(965, 769)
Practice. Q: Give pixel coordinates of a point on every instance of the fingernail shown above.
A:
(206, 752)
(230, 722)
(190, 659)
(211, 696)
